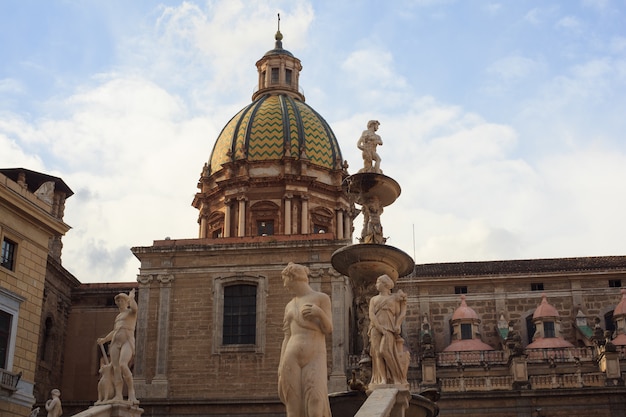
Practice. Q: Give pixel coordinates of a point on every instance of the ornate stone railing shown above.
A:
(9, 380)
(481, 383)
(577, 380)
(469, 358)
(582, 354)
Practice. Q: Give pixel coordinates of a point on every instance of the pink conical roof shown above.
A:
(464, 312)
(620, 310)
(545, 309)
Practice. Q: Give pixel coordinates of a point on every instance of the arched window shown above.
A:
(609, 324)
(264, 218)
(47, 334)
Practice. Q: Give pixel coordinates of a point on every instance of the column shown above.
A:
(339, 224)
(227, 217)
(160, 381)
(202, 226)
(340, 336)
(288, 214)
(241, 226)
(305, 215)
(143, 303)
(347, 226)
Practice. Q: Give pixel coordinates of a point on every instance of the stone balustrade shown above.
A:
(582, 354)
(469, 358)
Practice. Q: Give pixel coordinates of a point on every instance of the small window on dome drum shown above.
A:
(318, 228)
(288, 76)
(265, 227)
(548, 329)
(274, 79)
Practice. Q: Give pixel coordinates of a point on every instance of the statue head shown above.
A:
(295, 272)
(122, 300)
(374, 123)
(386, 281)
(55, 393)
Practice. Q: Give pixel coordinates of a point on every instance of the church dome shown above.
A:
(275, 126)
(275, 168)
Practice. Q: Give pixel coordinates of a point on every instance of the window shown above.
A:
(466, 331)
(288, 76)
(265, 227)
(537, 286)
(9, 249)
(609, 323)
(318, 228)
(460, 290)
(216, 234)
(615, 283)
(5, 336)
(548, 329)
(9, 314)
(274, 76)
(239, 315)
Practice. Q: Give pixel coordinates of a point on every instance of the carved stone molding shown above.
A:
(145, 279)
(165, 278)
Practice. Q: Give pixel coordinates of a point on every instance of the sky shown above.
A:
(503, 121)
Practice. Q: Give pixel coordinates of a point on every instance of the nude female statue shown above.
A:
(122, 347)
(302, 372)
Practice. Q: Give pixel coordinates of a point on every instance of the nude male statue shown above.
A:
(122, 347)
(367, 144)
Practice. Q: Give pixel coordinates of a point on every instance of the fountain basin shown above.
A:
(365, 262)
(368, 184)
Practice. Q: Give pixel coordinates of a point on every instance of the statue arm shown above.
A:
(402, 314)
(326, 323)
(360, 143)
(132, 304)
(107, 338)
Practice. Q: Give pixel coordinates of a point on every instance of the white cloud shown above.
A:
(541, 181)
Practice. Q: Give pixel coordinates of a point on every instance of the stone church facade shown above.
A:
(519, 338)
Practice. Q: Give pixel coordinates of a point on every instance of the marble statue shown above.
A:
(122, 347)
(390, 361)
(372, 228)
(367, 144)
(302, 372)
(34, 412)
(53, 405)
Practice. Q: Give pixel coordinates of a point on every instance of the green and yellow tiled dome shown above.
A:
(272, 127)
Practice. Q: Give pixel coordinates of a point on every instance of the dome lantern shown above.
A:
(279, 71)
